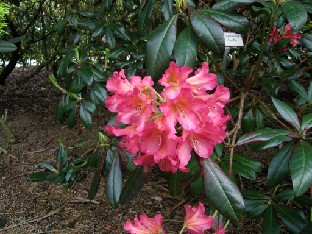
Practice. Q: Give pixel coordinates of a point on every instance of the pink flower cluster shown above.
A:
(164, 128)
(276, 35)
(195, 222)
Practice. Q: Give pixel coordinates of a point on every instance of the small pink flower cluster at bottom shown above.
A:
(164, 128)
(276, 36)
(195, 222)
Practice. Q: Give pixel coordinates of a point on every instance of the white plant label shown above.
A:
(233, 39)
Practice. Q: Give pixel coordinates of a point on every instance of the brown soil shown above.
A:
(45, 207)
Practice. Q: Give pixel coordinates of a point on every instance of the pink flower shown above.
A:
(275, 35)
(174, 80)
(203, 80)
(195, 221)
(289, 34)
(220, 230)
(145, 225)
(118, 83)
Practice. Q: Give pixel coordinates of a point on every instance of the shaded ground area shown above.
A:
(43, 207)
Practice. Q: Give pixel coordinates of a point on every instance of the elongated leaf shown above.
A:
(308, 228)
(225, 5)
(292, 219)
(248, 123)
(301, 168)
(185, 48)
(144, 16)
(259, 119)
(295, 13)
(209, 32)
(222, 193)
(133, 185)
(61, 157)
(95, 184)
(261, 135)
(114, 183)
(85, 116)
(254, 195)
(287, 194)
(174, 184)
(275, 141)
(299, 89)
(270, 222)
(196, 187)
(306, 40)
(235, 22)
(6, 47)
(245, 167)
(278, 168)
(255, 208)
(107, 4)
(287, 113)
(39, 176)
(167, 8)
(159, 47)
(306, 122)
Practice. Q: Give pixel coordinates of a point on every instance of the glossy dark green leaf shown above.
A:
(298, 88)
(144, 16)
(6, 47)
(270, 222)
(110, 154)
(261, 135)
(85, 74)
(208, 31)
(234, 22)
(221, 191)
(122, 33)
(279, 168)
(133, 185)
(255, 208)
(259, 119)
(248, 123)
(95, 184)
(61, 157)
(89, 106)
(63, 64)
(304, 200)
(225, 5)
(295, 13)
(301, 168)
(110, 38)
(39, 176)
(98, 93)
(107, 4)
(174, 184)
(185, 48)
(275, 141)
(160, 46)
(85, 117)
(293, 221)
(167, 8)
(71, 118)
(196, 187)
(306, 40)
(306, 122)
(308, 228)
(287, 195)
(246, 167)
(254, 195)
(310, 92)
(114, 182)
(48, 166)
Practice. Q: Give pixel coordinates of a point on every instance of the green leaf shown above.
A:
(48, 166)
(85, 117)
(114, 183)
(291, 218)
(275, 141)
(221, 191)
(196, 187)
(278, 168)
(209, 32)
(261, 135)
(308, 228)
(225, 5)
(287, 194)
(255, 208)
(174, 184)
(95, 184)
(287, 113)
(270, 222)
(246, 167)
(248, 123)
(110, 38)
(167, 8)
(85, 74)
(71, 118)
(61, 157)
(159, 47)
(301, 168)
(254, 195)
(259, 119)
(132, 186)
(295, 13)
(89, 106)
(107, 4)
(122, 32)
(310, 92)
(306, 40)
(306, 122)
(144, 16)
(6, 47)
(299, 89)
(234, 22)
(185, 48)
(39, 176)
(98, 93)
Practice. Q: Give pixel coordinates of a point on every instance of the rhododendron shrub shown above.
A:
(195, 222)
(164, 127)
(276, 35)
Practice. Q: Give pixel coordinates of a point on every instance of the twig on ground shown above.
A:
(35, 219)
(84, 200)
